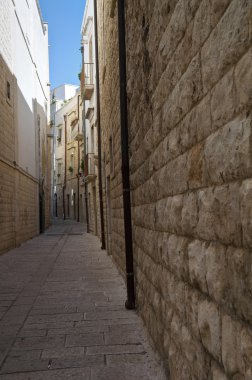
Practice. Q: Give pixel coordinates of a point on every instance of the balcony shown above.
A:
(82, 181)
(87, 81)
(77, 135)
(89, 170)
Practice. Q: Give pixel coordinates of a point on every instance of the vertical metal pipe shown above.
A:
(78, 175)
(64, 185)
(103, 246)
(85, 147)
(130, 303)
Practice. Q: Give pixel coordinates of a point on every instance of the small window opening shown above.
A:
(8, 90)
(111, 156)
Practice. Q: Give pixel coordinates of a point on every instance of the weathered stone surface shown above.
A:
(246, 212)
(243, 77)
(231, 353)
(219, 214)
(197, 264)
(223, 100)
(189, 96)
(216, 269)
(217, 373)
(246, 348)
(226, 152)
(228, 42)
(210, 328)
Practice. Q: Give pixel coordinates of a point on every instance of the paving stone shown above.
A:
(125, 372)
(116, 349)
(25, 333)
(25, 355)
(123, 337)
(70, 317)
(24, 300)
(13, 365)
(43, 342)
(73, 362)
(45, 336)
(89, 339)
(79, 330)
(54, 310)
(126, 359)
(76, 374)
(110, 315)
(63, 353)
(7, 297)
(49, 325)
(106, 322)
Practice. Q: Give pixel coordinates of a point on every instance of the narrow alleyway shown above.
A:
(62, 313)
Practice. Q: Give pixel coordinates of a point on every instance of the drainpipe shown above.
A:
(64, 185)
(85, 147)
(130, 303)
(103, 246)
(85, 152)
(78, 176)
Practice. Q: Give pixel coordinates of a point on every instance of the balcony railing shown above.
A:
(87, 80)
(90, 166)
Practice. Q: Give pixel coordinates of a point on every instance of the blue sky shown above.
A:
(64, 18)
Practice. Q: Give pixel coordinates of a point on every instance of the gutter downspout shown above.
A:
(85, 147)
(130, 302)
(85, 152)
(78, 175)
(64, 186)
(103, 245)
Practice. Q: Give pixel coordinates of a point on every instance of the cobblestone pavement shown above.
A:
(62, 313)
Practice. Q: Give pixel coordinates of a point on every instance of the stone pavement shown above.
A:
(62, 313)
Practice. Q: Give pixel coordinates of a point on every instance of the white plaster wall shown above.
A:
(88, 34)
(64, 92)
(24, 46)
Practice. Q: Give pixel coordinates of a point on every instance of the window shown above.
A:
(59, 136)
(92, 139)
(8, 90)
(72, 163)
(59, 170)
(111, 156)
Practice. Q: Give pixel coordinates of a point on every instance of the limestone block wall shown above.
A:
(110, 128)
(19, 199)
(7, 210)
(26, 211)
(189, 87)
(7, 156)
(189, 98)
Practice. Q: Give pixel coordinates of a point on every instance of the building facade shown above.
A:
(24, 143)
(59, 97)
(89, 101)
(189, 78)
(69, 161)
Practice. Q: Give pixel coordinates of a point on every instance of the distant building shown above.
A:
(89, 98)
(69, 161)
(59, 97)
(24, 112)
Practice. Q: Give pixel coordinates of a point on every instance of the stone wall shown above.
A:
(189, 90)
(19, 199)
(110, 127)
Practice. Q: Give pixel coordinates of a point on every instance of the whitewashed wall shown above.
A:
(24, 46)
